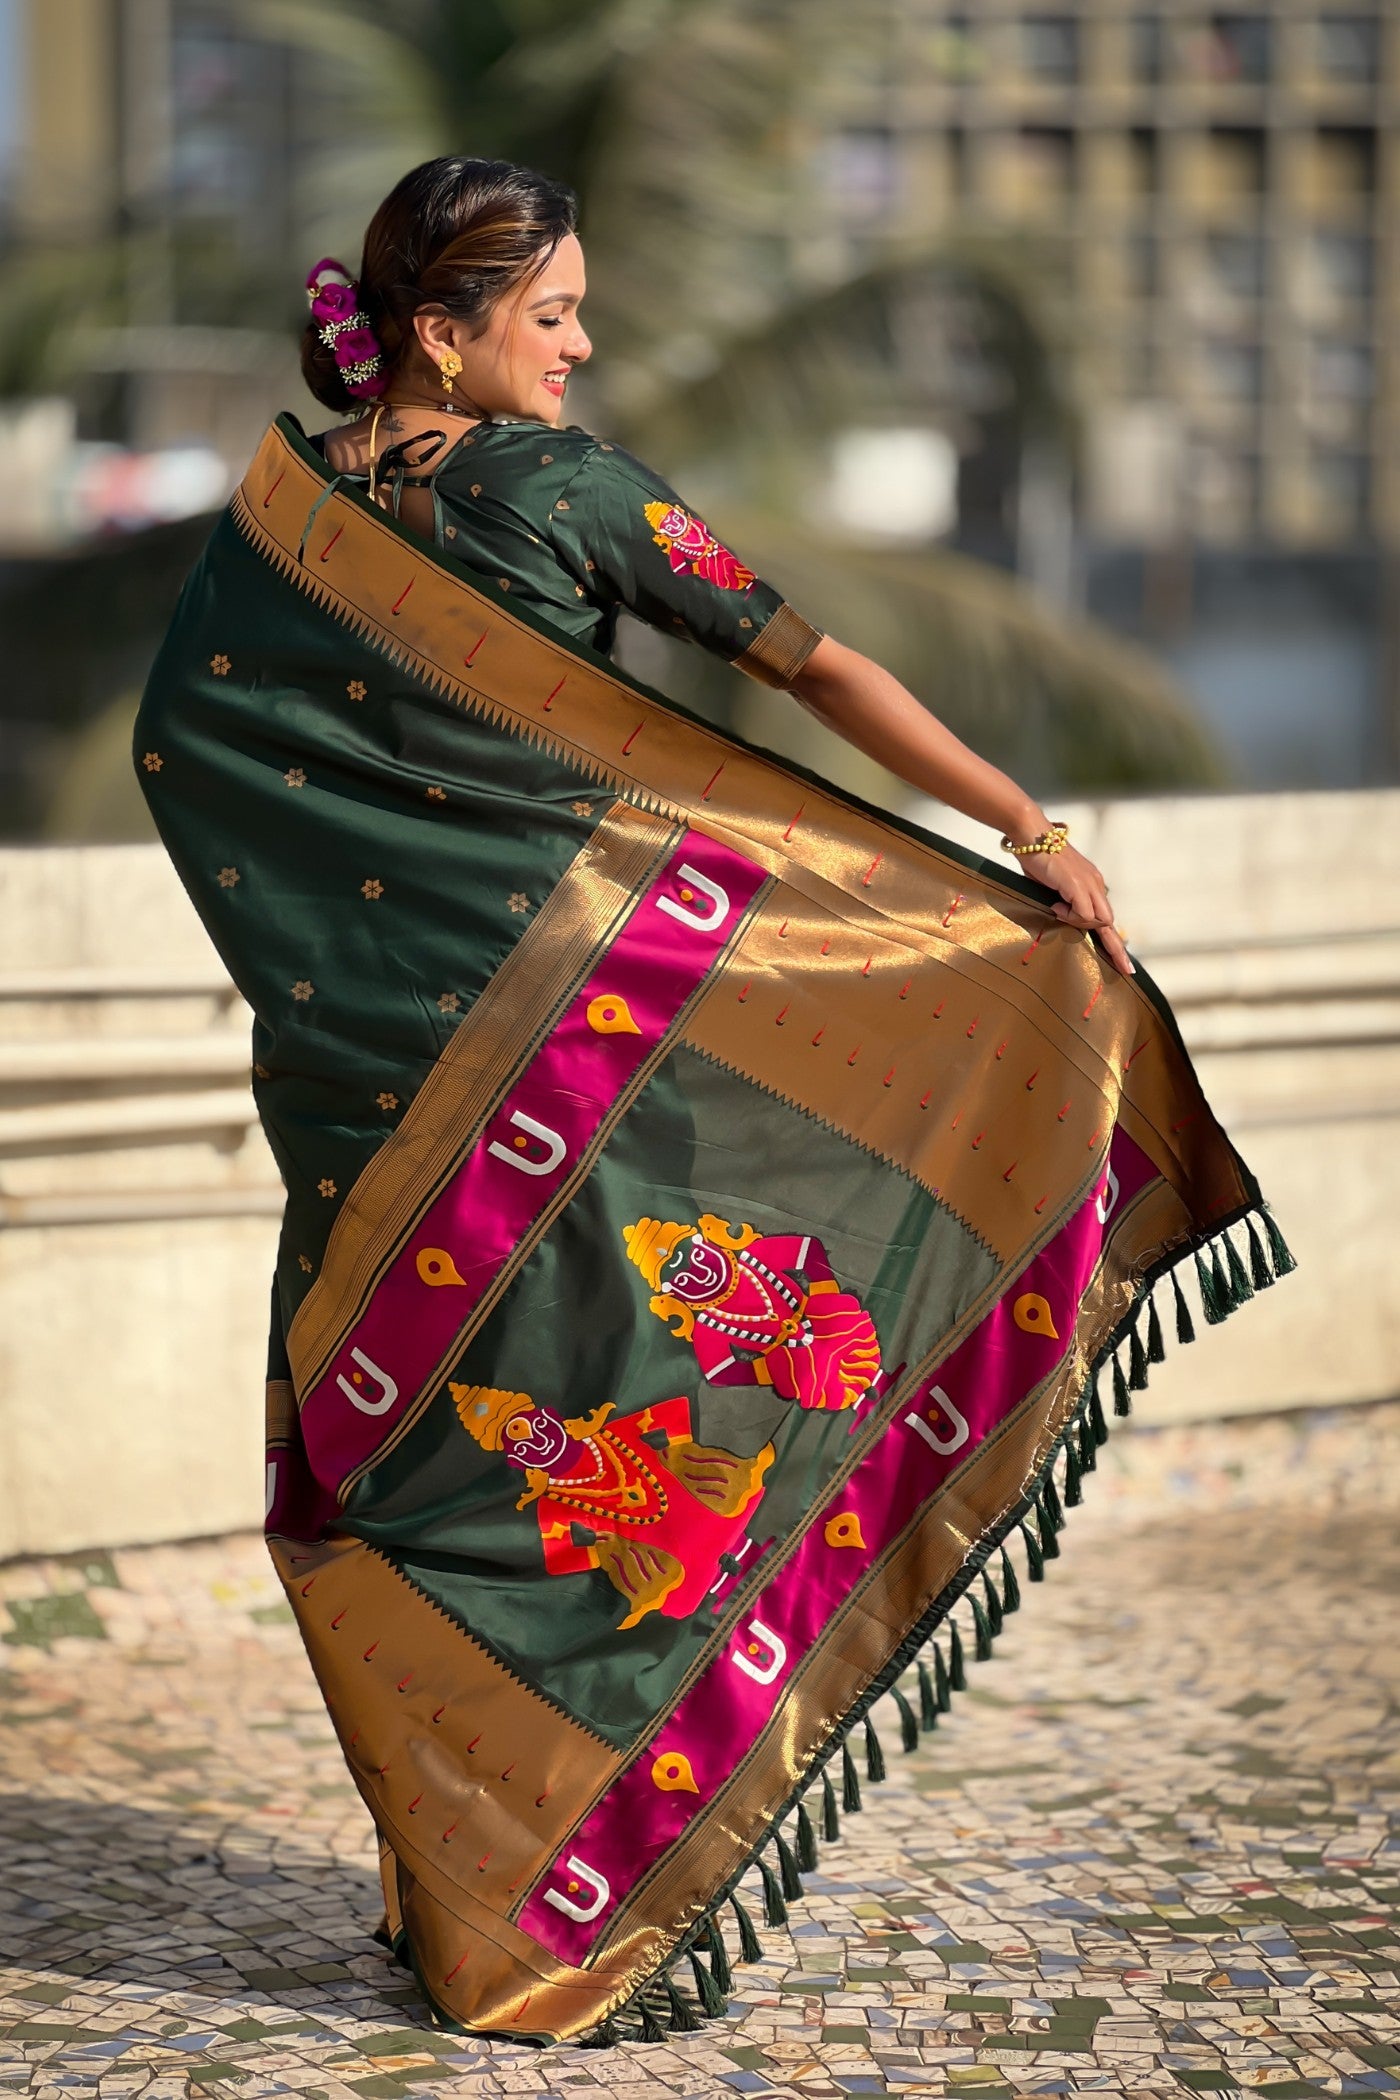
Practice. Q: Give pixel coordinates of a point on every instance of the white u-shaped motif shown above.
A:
(388, 1387)
(941, 1444)
(583, 1913)
(271, 1486)
(555, 1148)
(703, 922)
(1106, 1202)
(761, 1673)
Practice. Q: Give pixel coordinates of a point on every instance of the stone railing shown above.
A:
(139, 1204)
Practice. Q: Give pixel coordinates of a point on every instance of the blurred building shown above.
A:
(157, 142)
(1212, 200)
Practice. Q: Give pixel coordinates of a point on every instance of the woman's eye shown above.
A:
(557, 322)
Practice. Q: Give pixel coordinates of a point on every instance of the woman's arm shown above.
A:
(871, 709)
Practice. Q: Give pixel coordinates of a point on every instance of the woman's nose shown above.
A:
(580, 347)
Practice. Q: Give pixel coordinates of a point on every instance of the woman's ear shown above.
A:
(436, 332)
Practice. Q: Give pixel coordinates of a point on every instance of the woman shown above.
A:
(710, 1201)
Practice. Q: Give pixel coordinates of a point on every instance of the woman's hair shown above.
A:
(455, 233)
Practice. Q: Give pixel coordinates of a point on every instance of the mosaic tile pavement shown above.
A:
(1147, 1852)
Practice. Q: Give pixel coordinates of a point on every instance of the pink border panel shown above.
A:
(682, 922)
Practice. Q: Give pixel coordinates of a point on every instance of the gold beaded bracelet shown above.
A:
(1051, 841)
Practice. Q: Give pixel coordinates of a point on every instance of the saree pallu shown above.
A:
(711, 1205)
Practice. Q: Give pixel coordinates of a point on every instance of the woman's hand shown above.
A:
(870, 708)
(1083, 899)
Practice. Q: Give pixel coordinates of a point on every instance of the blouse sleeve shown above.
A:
(629, 540)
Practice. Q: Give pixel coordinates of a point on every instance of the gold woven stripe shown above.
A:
(778, 652)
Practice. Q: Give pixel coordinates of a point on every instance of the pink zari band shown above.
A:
(680, 926)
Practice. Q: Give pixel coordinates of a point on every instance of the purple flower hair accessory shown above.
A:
(359, 359)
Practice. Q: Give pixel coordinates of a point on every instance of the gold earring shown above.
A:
(450, 364)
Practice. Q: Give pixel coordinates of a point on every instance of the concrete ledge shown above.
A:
(139, 1203)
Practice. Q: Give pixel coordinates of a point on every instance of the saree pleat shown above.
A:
(713, 1210)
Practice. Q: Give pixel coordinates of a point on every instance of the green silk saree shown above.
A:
(711, 1206)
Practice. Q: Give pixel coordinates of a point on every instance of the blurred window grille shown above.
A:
(863, 173)
(1339, 488)
(1347, 49)
(1234, 49)
(1237, 263)
(1339, 168)
(1141, 265)
(1232, 371)
(1146, 50)
(1338, 388)
(1142, 162)
(1050, 49)
(1333, 273)
(1133, 461)
(1225, 167)
(1030, 172)
(953, 51)
(899, 484)
(1223, 492)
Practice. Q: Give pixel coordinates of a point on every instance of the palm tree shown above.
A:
(718, 362)
(729, 352)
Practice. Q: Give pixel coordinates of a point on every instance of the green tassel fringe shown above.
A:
(711, 1996)
(684, 2019)
(787, 1868)
(806, 1841)
(1137, 1362)
(1284, 1264)
(1074, 1494)
(981, 1631)
(774, 1908)
(604, 2035)
(1010, 1587)
(1035, 1559)
(850, 1784)
(652, 2029)
(718, 1953)
(1088, 1449)
(874, 1755)
(1156, 1347)
(1096, 1417)
(957, 1672)
(1122, 1403)
(1185, 1330)
(831, 1822)
(1050, 1502)
(941, 1685)
(750, 1946)
(1211, 1278)
(1261, 1274)
(996, 1617)
(908, 1726)
(1240, 1286)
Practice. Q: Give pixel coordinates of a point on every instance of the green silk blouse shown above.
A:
(578, 530)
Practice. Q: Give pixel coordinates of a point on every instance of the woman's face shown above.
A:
(521, 364)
